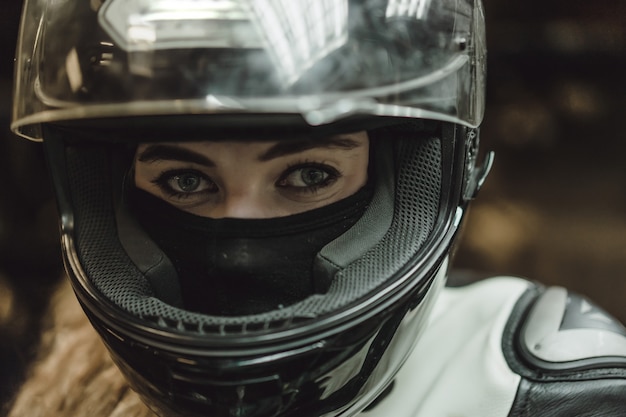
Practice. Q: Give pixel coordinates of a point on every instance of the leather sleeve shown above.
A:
(570, 354)
(605, 397)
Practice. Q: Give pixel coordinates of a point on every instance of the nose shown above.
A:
(241, 207)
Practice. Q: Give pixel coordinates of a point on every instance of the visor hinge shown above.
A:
(474, 176)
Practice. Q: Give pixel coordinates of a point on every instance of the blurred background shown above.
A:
(554, 206)
(552, 210)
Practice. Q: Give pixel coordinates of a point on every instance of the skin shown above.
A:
(253, 179)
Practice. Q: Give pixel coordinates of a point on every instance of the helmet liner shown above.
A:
(116, 276)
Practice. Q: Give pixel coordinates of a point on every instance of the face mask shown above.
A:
(246, 266)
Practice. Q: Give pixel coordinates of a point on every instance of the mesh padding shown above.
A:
(114, 275)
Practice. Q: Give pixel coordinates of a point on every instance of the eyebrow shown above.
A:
(292, 147)
(161, 152)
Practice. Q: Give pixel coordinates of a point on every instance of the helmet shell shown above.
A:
(94, 78)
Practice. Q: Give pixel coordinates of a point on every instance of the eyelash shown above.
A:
(163, 179)
(333, 175)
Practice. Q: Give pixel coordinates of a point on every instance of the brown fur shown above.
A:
(74, 375)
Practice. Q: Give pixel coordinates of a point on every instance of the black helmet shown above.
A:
(96, 78)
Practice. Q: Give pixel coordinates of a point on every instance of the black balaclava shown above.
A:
(246, 266)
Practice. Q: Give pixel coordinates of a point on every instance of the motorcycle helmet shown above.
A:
(96, 79)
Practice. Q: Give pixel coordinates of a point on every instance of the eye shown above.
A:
(185, 183)
(309, 177)
(188, 182)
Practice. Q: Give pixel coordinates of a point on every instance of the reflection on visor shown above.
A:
(296, 35)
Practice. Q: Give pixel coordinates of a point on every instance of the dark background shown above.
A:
(553, 208)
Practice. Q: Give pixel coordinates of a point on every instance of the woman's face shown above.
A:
(253, 179)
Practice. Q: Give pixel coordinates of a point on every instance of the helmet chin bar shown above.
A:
(286, 383)
(333, 360)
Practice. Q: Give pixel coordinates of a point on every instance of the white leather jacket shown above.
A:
(505, 347)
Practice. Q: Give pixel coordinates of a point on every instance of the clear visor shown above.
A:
(323, 60)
